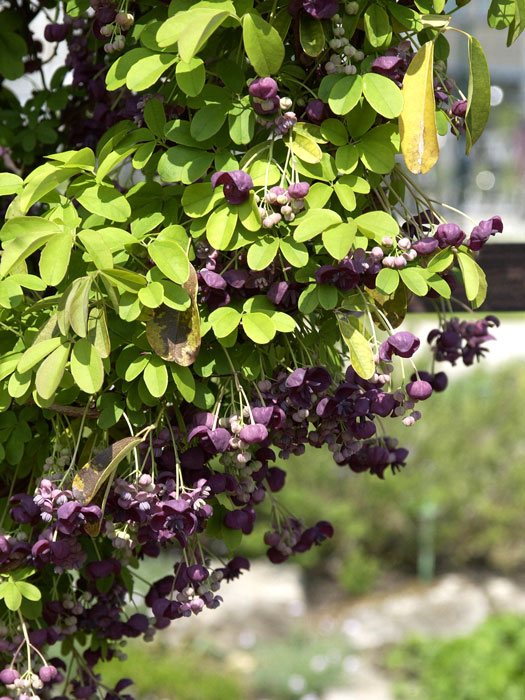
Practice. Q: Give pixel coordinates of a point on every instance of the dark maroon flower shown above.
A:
(242, 519)
(388, 66)
(269, 106)
(449, 234)
(403, 344)
(344, 276)
(263, 88)
(56, 32)
(237, 185)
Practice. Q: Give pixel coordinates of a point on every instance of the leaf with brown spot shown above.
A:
(90, 478)
(176, 335)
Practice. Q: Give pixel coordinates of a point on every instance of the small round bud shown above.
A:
(329, 67)
(106, 30)
(285, 103)
(124, 19)
(404, 244)
(386, 240)
(350, 70)
(359, 55)
(351, 8)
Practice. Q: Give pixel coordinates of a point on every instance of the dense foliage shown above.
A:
(486, 663)
(223, 229)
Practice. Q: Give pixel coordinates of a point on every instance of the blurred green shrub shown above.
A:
(167, 672)
(488, 664)
(467, 462)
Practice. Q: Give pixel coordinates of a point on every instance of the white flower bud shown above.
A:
(359, 55)
(350, 70)
(285, 103)
(352, 8)
(329, 67)
(106, 30)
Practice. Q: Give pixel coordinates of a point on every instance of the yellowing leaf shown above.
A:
(478, 105)
(417, 122)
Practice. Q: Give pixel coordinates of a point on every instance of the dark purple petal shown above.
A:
(299, 190)
(296, 378)
(321, 9)
(449, 234)
(426, 246)
(252, 434)
(419, 390)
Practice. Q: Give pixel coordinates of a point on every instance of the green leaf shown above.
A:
(315, 221)
(338, 238)
(11, 595)
(98, 333)
(377, 26)
(347, 158)
(387, 281)
(86, 367)
(383, 95)
(196, 33)
(50, 372)
(155, 117)
(184, 381)
(183, 164)
(295, 253)
(10, 184)
(439, 285)
(345, 94)
(36, 353)
(220, 227)
(97, 248)
(482, 292)
(191, 76)
(146, 71)
(478, 105)
(28, 590)
(471, 275)
(376, 156)
(361, 354)
(345, 194)
(306, 148)
(156, 376)
(21, 247)
(311, 35)
(143, 154)
(376, 224)
(334, 131)
(415, 280)
(77, 306)
(263, 45)
(224, 321)
(318, 195)
(118, 70)
(125, 279)
(328, 296)
(207, 121)
(249, 214)
(241, 124)
(105, 201)
(262, 252)
(258, 327)
(171, 259)
(54, 259)
(309, 299)
(501, 13)
(94, 473)
(199, 199)
(441, 261)
(417, 121)
(152, 295)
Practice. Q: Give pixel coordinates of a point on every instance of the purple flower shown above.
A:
(388, 66)
(237, 185)
(47, 673)
(299, 190)
(449, 234)
(9, 675)
(252, 434)
(344, 276)
(459, 108)
(242, 519)
(483, 231)
(317, 111)
(426, 246)
(419, 390)
(263, 88)
(403, 344)
(321, 9)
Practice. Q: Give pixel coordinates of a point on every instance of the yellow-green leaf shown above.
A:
(478, 104)
(361, 354)
(417, 122)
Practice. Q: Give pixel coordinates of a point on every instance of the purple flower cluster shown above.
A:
(292, 536)
(355, 270)
(462, 339)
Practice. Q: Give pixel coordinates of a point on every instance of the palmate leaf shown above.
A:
(174, 335)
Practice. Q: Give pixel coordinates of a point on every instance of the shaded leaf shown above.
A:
(478, 104)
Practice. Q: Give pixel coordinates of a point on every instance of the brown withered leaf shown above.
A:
(394, 306)
(176, 335)
(92, 475)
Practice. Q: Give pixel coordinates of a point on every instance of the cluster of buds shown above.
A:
(290, 202)
(266, 103)
(123, 22)
(344, 53)
(398, 261)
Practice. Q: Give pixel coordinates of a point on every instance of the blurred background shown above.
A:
(421, 593)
